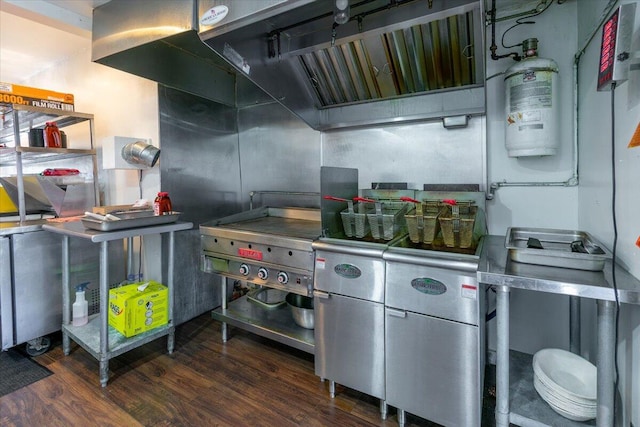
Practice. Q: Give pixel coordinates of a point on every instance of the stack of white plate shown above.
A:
(567, 382)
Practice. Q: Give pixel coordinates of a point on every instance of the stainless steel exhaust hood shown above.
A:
(159, 41)
(394, 61)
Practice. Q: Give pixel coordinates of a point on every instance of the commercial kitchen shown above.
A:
(407, 192)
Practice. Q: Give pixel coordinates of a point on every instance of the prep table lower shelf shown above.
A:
(525, 403)
(96, 337)
(88, 337)
(276, 323)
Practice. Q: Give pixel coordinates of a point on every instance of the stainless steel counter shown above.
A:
(496, 269)
(15, 227)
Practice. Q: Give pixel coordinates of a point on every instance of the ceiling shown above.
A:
(37, 34)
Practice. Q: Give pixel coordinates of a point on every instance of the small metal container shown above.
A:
(36, 137)
(556, 248)
(301, 309)
(268, 298)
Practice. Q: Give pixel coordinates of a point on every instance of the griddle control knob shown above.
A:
(283, 277)
(244, 269)
(263, 273)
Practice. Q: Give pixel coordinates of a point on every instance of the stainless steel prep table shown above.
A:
(95, 337)
(497, 270)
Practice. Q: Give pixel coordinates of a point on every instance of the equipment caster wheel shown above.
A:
(37, 346)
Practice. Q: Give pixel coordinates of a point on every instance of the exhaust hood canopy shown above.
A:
(393, 61)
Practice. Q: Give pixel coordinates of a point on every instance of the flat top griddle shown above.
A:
(288, 227)
(269, 224)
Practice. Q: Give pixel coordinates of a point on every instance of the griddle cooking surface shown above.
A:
(288, 227)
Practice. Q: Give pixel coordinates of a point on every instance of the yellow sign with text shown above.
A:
(24, 95)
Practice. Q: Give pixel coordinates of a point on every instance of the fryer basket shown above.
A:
(387, 219)
(457, 223)
(422, 221)
(354, 221)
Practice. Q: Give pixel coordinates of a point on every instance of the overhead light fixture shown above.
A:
(454, 122)
(140, 153)
(341, 12)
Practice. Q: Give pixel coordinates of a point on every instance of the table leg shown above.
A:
(104, 313)
(402, 417)
(66, 342)
(383, 409)
(171, 339)
(223, 300)
(606, 366)
(574, 325)
(130, 270)
(502, 356)
(104, 370)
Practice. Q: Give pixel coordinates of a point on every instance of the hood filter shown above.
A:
(426, 57)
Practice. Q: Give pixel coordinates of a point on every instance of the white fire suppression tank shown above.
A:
(532, 104)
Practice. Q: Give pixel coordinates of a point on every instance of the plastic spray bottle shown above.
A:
(80, 308)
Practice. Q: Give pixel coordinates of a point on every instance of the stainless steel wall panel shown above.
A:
(419, 153)
(277, 152)
(199, 167)
(199, 162)
(196, 292)
(6, 294)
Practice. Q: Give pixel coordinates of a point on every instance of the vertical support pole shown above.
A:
(402, 417)
(502, 356)
(332, 389)
(66, 343)
(171, 291)
(575, 344)
(383, 409)
(606, 346)
(22, 209)
(129, 257)
(223, 301)
(104, 313)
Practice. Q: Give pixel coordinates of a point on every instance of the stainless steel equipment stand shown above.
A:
(606, 343)
(495, 270)
(102, 342)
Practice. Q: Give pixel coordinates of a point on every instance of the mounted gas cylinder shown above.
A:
(532, 104)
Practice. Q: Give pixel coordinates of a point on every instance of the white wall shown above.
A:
(122, 105)
(595, 195)
(553, 207)
(595, 213)
(538, 320)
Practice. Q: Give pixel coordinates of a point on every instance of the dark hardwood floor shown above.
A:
(249, 381)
